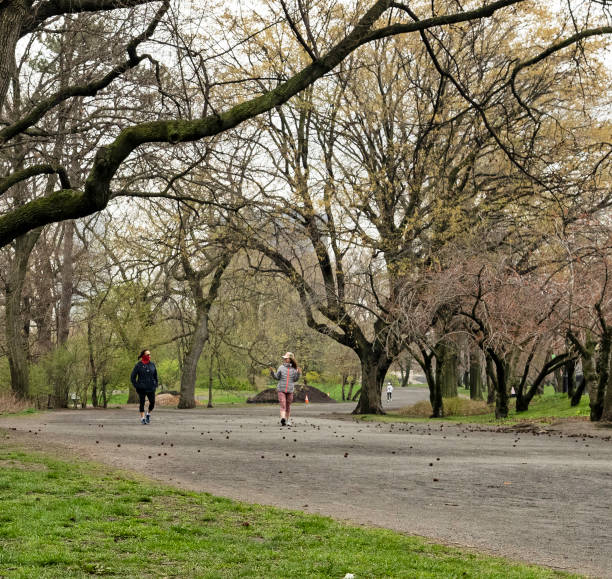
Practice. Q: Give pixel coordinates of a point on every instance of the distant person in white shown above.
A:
(389, 391)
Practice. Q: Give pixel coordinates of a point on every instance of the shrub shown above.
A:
(9, 403)
(169, 373)
(231, 383)
(313, 377)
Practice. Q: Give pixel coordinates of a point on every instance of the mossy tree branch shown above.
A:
(72, 204)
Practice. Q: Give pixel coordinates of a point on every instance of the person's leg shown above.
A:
(151, 397)
(282, 400)
(141, 400)
(289, 400)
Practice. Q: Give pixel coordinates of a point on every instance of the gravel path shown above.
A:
(542, 498)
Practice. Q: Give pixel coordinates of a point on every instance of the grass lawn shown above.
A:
(61, 519)
(219, 397)
(544, 408)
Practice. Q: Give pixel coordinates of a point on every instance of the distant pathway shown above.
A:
(543, 499)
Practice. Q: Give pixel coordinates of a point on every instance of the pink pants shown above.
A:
(285, 399)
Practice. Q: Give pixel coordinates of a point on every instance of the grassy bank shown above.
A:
(61, 519)
(545, 408)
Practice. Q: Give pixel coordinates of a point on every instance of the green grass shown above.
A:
(544, 408)
(61, 519)
(220, 397)
(225, 397)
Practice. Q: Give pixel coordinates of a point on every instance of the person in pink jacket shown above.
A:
(287, 375)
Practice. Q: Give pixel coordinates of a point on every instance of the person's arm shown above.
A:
(134, 375)
(155, 376)
(276, 375)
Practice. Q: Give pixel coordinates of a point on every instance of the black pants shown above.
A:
(150, 395)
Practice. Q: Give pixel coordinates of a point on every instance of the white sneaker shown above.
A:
(289, 423)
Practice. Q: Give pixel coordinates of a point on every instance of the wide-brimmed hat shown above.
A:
(288, 355)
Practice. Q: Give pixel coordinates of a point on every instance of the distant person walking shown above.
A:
(144, 379)
(389, 391)
(287, 375)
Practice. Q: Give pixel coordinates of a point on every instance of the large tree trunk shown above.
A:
(500, 381)
(449, 377)
(12, 15)
(475, 377)
(16, 342)
(433, 383)
(190, 363)
(374, 366)
(607, 405)
(200, 334)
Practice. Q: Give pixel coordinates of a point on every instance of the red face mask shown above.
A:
(146, 359)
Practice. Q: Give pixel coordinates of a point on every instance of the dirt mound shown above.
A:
(314, 395)
(169, 399)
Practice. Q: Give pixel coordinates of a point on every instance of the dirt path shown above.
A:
(542, 498)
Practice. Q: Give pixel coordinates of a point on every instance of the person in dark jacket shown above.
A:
(287, 375)
(144, 379)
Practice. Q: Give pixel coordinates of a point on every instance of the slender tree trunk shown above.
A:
(558, 383)
(603, 375)
(16, 342)
(92, 364)
(351, 386)
(490, 380)
(344, 379)
(405, 371)
(589, 374)
(374, 366)
(67, 287)
(570, 376)
(104, 393)
(578, 392)
(210, 379)
(435, 389)
(525, 395)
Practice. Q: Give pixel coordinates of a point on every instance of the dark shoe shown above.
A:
(148, 418)
(143, 421)
(283, 422)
